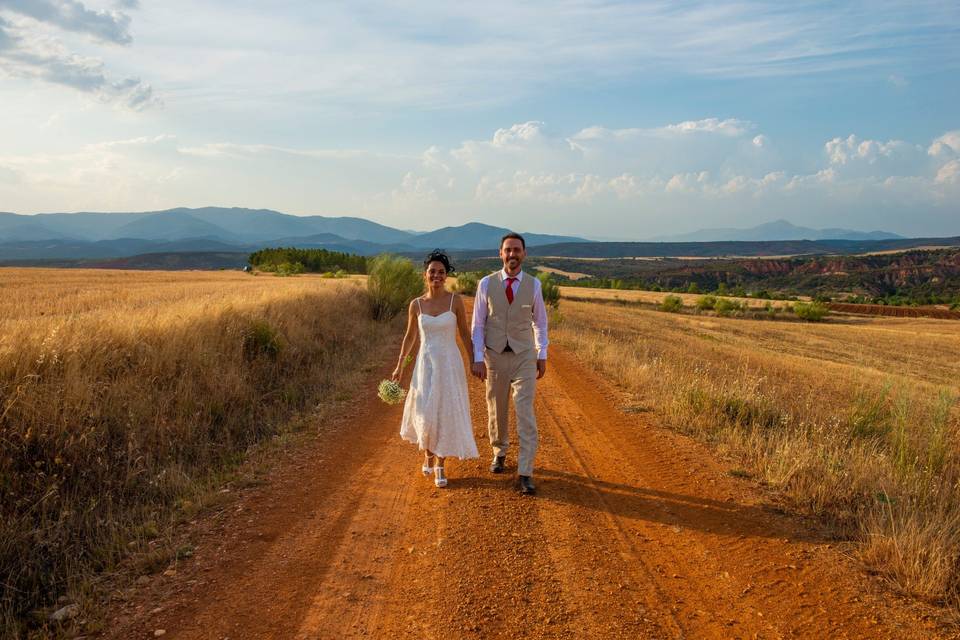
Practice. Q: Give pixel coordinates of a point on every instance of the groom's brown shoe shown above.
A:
(497, 465)
(526, 486)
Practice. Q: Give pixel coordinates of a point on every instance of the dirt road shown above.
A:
(635, 533)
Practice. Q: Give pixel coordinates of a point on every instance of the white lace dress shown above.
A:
(436, 415)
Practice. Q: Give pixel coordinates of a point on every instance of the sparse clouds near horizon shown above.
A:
(628, 182)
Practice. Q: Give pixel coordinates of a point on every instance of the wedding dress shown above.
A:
(436, 414)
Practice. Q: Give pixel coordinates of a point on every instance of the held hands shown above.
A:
(396, 374)
(479, 369)
(541, 368)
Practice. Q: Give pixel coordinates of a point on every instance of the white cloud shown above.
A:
(729, 127)
(949, 173)
(947, 145)
(30, 48)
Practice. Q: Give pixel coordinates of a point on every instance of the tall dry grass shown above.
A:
(855, 421)
(121, 393)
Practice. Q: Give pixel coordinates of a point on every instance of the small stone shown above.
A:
(170, 573)
(142, 580)
(159, 632)
(65, 613)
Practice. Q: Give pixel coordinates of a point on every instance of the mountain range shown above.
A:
(776, 230)
(217, 229)
(227, 234)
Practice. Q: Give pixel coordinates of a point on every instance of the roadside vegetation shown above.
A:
(126, 396)
(394, 281)
(855, 423)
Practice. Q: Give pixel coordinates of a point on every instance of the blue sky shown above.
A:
(603, 119)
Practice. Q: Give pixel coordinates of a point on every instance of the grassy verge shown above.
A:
(110, 423)
(855, 424)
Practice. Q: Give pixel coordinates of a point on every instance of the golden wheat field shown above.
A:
(854, 420)
(123, 393)
(654, 297)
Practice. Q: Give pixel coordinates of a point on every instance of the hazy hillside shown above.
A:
(476, 235)
(911, 275)
(776, 230)
(96, 235)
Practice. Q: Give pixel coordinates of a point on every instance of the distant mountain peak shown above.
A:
(775, 230)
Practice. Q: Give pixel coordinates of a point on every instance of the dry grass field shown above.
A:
(654, 297)
(854, 420)
(123, 394)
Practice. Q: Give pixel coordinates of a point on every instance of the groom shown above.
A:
(510, 353)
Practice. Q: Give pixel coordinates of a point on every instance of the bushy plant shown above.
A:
(290, 268)
(671, 304)
(393, 283)
(725, 307)
(466, 283)
(261, 339)
(706, 303)
(810, 311)
(551, 290)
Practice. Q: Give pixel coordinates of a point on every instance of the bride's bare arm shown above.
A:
(409, 339)
(463, 325)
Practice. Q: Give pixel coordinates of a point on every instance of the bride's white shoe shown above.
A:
(426, 469)
(439, 478)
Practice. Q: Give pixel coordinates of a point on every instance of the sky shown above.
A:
(607, 120)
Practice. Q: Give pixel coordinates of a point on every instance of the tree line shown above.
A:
(306, 260)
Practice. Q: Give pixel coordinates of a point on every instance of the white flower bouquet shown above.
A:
(390, 391)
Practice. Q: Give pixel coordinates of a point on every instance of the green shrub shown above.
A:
(706, 303)
(467, 283)
(810, 311)
(290, 268)
(693, 288)
(551, 290)
(725, 307)
(392, 284)
(261, 340)
(671, 304)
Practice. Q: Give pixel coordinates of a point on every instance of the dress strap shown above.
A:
(419, 308)
(451, 301)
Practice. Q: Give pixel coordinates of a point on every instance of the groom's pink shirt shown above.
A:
(480, 316)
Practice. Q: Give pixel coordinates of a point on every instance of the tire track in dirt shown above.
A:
(635, 533)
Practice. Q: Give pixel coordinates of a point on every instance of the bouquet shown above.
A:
(390, 391)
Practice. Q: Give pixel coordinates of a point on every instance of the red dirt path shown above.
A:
(636, 532)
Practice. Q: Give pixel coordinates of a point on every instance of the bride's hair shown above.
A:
(437, 255)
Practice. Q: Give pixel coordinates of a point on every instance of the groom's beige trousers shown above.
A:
(517, 373)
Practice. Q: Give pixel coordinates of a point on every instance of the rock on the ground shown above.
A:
(65, 613)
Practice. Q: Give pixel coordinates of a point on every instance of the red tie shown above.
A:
(509, 289)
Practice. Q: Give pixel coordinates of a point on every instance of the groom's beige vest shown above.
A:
(509, 323)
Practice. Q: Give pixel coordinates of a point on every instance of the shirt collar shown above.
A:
(504, 276)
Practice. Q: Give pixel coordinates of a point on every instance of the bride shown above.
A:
(436, 416)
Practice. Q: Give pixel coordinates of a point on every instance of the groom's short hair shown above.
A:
(514, 235)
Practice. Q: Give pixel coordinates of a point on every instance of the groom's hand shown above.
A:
(541, 368)
(479, 369)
